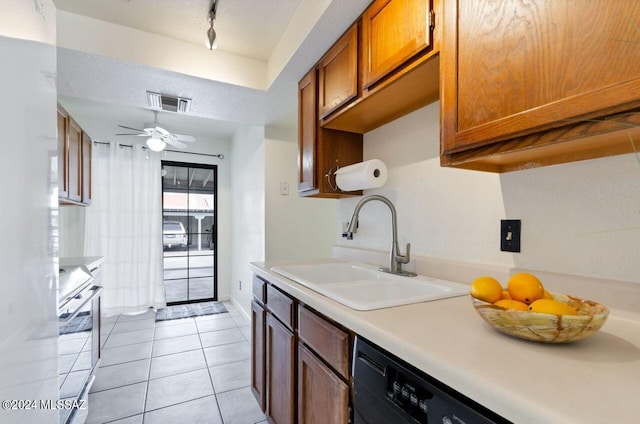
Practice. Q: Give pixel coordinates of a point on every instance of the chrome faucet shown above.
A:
(396, 259)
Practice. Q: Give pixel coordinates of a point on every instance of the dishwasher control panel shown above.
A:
(408, 394)
(389, 390)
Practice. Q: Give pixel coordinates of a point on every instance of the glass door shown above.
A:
(189, 233)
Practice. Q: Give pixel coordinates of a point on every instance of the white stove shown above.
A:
(78, 340)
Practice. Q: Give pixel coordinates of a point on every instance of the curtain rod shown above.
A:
(107, 143)
(122, 146)
(219, 156)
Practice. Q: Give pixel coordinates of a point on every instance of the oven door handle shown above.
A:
(96, 292)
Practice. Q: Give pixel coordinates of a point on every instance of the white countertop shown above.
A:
(594, 380)
(89, 261)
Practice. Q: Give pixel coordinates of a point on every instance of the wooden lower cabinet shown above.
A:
(281, 382)
(300, 360)
(322, 396)
(258, 354)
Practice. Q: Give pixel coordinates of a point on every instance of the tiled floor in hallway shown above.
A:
(192, 370)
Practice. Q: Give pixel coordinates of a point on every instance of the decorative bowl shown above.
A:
(546, 328)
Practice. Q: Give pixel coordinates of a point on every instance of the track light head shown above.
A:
(211, 33)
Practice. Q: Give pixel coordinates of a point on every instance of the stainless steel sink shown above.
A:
(363, 287)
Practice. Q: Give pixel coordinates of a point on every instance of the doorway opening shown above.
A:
(189, 232)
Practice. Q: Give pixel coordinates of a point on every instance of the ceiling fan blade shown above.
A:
(131, 134)
(162, 131)
(129, 128)
(175, 143)
(183, 137)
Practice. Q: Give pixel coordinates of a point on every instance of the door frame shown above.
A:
(214, 233)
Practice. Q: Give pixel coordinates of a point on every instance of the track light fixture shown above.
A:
(211, 33)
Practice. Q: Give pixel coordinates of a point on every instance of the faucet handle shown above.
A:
(404, 259)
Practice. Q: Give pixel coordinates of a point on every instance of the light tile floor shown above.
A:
(192, 370)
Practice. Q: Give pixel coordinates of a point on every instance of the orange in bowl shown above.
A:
(486, 288)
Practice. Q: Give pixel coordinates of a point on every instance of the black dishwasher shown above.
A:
(390, 391)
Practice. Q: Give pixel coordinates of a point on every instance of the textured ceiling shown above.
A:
(249, 28)
(102, 92)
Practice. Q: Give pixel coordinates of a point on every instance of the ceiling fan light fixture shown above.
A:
(156, 144)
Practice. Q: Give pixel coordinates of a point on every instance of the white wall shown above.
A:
(20, 19)
(28, 166)
(71, 224)
(90, 35)
(297, 228)
(247, 210)
(580, 218)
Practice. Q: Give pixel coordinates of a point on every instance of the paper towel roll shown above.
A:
(363, 175)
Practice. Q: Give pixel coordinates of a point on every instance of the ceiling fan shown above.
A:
(158, 137)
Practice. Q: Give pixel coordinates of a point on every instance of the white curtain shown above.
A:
(124, 224)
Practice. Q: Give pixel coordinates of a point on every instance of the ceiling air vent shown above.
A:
(168, 103)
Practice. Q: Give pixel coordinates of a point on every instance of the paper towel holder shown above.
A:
(332, 172)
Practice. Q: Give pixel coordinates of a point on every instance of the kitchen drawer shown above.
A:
(259, 289)
(327, 341)
(281, 306)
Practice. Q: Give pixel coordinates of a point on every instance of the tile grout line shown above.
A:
(215, 395)
(146, 391)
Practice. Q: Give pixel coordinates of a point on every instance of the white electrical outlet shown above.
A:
(284, 188)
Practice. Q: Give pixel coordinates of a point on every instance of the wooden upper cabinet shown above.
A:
(393, 31)
(398, 64)
(520, 75)
(338, 73)
(63, 154)
(307, 129)
(321, 150)
(87, 144)
(75, 161)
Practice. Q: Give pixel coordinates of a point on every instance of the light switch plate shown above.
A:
(510, 235)
(284, 188)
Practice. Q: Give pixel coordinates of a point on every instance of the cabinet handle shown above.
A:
(372, 364)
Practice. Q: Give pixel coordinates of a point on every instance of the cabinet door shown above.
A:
(322, 396)
(75, 161)
(280, 372)
(86, 168)
(258, 354)
(307, 132)
(393, 31)
(63, 154)
(512, 68)
(338, 73)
